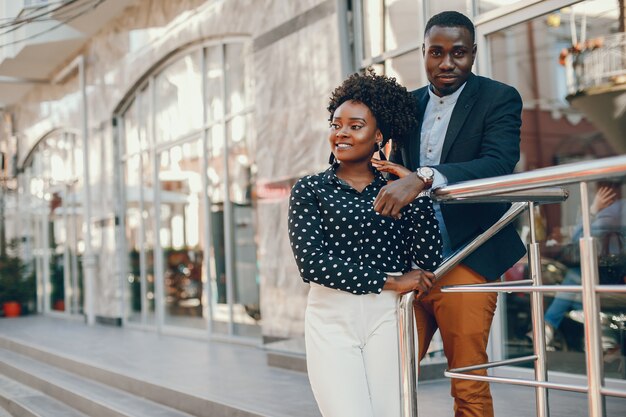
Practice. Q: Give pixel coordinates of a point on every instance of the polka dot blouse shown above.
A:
(339, 241)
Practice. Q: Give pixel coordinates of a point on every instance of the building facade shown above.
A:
(149, 163)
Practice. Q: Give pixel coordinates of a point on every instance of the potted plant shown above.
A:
(16, 286)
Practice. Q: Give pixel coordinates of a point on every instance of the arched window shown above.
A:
(52, 215)
(187, 146)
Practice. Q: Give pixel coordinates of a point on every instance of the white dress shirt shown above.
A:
(434, 127)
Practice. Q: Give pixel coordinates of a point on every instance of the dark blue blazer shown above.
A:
(483, 140)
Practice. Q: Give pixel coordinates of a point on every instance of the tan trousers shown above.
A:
(464, 320)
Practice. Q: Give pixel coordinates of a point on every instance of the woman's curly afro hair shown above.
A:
(393, 107)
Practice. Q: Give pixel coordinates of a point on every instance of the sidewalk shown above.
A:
(237, 375)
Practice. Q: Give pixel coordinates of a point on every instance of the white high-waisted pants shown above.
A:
(352, 352)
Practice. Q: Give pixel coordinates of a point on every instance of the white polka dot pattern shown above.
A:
(339, 241)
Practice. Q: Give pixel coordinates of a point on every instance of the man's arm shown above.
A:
(498, 155)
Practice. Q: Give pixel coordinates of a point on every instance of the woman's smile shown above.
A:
(343, 146)
(353, 132)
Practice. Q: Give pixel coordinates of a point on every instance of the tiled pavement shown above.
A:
(238, 375)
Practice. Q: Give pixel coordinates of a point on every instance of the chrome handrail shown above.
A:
(599, 169)
(524, 190)
(406, 332)
(541, 196)
(461, 254)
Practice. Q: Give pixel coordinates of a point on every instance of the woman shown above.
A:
(356, 261)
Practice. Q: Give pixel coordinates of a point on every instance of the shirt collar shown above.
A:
(330, 176)
(449, 99)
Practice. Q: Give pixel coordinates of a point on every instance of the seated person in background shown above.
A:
(608, 217)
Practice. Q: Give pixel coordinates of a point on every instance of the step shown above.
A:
(90, 397)
(290, 354)
(169, 397)
(287, 354)
(19, 400)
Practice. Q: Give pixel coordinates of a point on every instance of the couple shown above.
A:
(360, 241)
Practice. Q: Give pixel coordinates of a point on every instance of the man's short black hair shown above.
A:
(451, 19)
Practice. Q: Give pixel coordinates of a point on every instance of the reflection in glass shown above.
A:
(402, 19)
(488, 5)
(146, 195)
(214, 82)
(561, 266)
(246, 308)
(407, 69)
(217, 251)
(178, 99)
(215, 155)
(372, 28)
(144, 118)
(555, 133)
(180, 194)
(235, 78)
(131, 131)
(232, 286)
(140, 239)
(53, 183)
(134, 237)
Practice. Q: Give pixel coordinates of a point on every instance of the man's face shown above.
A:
(448, 56)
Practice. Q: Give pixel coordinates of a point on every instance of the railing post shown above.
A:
(407, 356)
(536, 304)
(593, 336)
(406, 333)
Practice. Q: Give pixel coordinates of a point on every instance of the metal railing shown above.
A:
(525, 190)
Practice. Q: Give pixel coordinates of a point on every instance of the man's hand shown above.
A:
(396, 195)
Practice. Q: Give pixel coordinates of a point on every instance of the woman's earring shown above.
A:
(381, 152)
(331, 158)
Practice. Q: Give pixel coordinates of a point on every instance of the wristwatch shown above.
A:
(426, 175)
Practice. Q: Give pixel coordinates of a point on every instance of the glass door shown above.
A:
(180, 235)
(53, 205)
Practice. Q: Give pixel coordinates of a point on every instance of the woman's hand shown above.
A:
(390, 167)
(604, 198)
(414, 280)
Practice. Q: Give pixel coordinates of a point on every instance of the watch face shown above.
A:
(427, 172)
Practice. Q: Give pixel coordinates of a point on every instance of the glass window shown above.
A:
(372, 28)
(558, 128)
(178, 100)
(144, 118)
(225, 288)
(235, 78)
(407, 69)
(215, 173)
(180, 195)
(54, 177)
(389, 25)
(246, 280)
(392, 28)
(402, 23)
(484, 6)
(131, 130)
(214, 82)
(134, 237)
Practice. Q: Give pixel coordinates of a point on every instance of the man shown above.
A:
(470, 128)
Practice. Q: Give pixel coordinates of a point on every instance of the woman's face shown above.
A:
(353, 132)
